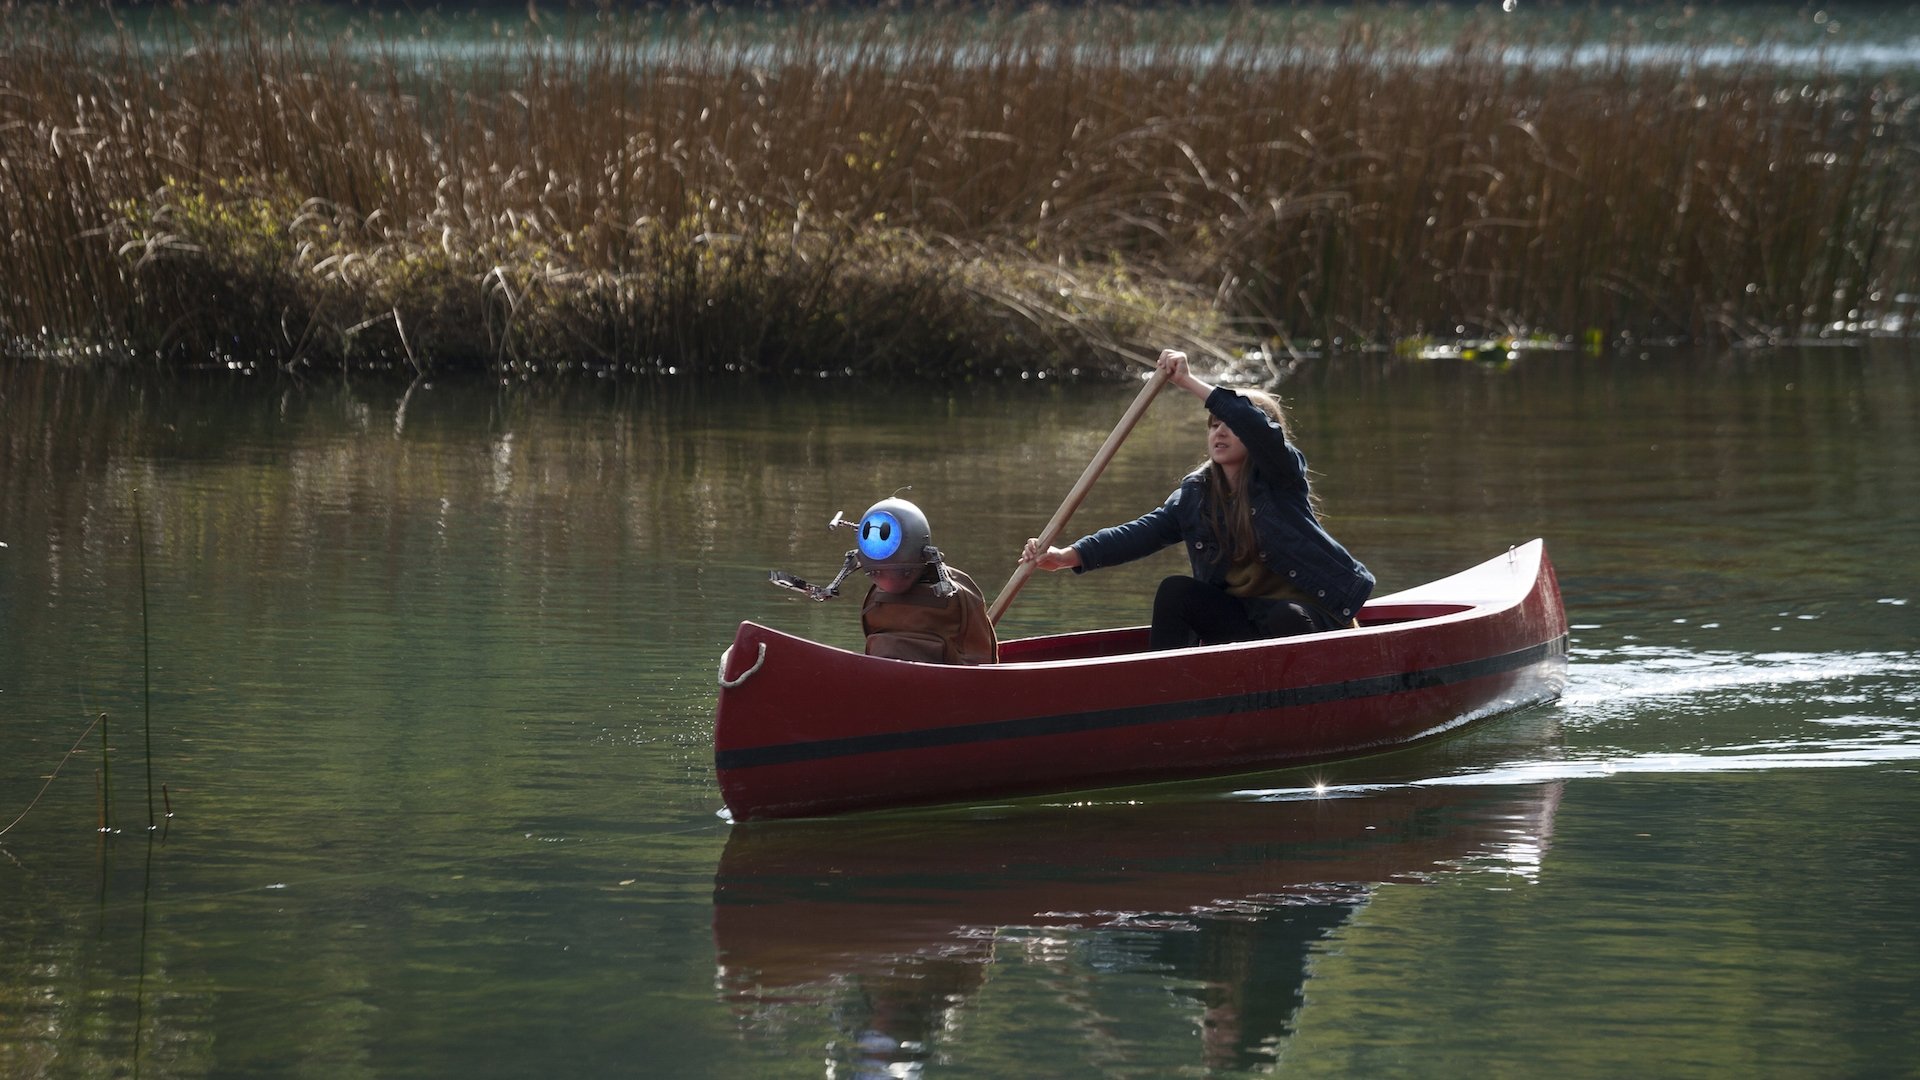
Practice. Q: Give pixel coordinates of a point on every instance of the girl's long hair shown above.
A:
(1229, 511)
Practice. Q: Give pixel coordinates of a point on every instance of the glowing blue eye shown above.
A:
(879, 535)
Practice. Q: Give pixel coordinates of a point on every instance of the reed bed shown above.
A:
(944, 194)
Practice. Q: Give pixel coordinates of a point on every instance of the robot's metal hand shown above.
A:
(815, 592)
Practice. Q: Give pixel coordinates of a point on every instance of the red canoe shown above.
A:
(804, 729)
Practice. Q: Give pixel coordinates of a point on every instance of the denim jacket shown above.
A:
(1292, 542)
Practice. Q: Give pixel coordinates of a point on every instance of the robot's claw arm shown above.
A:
(816, 592)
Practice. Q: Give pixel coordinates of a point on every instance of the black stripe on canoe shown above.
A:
(1099, 719)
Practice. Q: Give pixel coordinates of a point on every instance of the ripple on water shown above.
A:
(1641, 709)
(1656, 709)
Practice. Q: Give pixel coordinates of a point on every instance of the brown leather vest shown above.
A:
(917, 625)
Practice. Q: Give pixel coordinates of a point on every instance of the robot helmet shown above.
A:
(894, 533)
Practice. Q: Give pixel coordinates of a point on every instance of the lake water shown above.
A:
(1855, 39)
(432, 675)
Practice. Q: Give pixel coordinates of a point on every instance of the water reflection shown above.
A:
(892, 926)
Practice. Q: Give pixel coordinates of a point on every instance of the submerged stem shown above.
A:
(146, 652)
(106, 778)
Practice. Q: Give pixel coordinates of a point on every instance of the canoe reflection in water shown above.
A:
(893, 925)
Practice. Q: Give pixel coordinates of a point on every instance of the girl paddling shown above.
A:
(1263, 566)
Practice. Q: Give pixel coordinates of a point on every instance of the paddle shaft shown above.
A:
(1079, 492)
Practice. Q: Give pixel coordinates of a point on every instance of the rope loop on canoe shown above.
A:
(728, 684)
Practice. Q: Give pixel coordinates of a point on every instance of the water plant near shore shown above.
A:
(940, 194)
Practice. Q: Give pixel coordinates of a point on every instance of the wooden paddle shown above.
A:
(1079, 492)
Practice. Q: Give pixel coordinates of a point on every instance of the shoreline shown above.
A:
(852, 198)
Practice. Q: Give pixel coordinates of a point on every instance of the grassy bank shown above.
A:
(947, 195)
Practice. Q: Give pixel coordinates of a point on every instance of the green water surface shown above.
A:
(432, 675)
